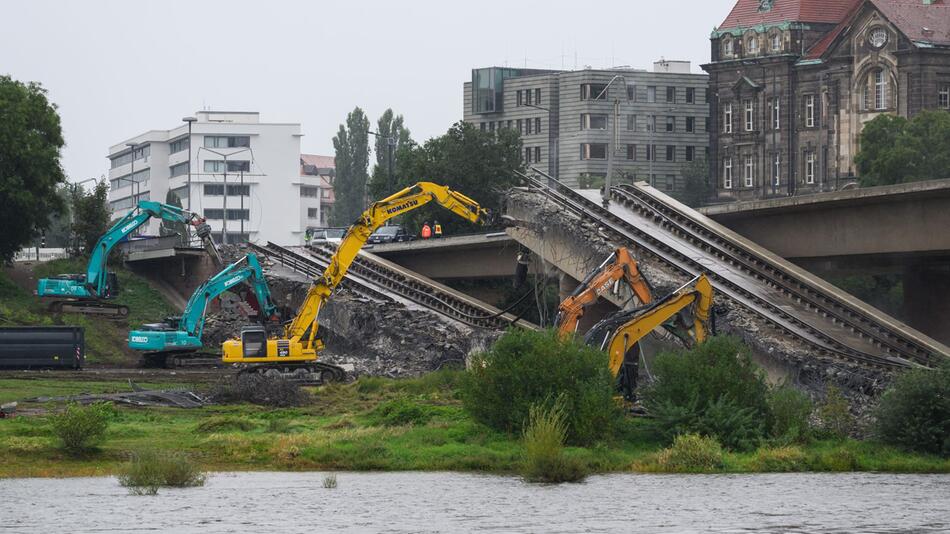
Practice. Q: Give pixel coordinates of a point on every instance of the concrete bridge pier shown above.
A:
(927, 299)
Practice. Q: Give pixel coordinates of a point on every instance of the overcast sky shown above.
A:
(119, 68)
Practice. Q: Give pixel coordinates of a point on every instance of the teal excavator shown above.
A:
(178, 339)
(88, 292)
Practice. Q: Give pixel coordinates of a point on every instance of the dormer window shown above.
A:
(727, 50)
(776, 42)
(752, 45)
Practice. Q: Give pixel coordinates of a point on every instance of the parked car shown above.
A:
(327, 235)
(390, 234)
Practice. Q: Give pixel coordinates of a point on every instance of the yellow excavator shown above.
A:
(294, 354)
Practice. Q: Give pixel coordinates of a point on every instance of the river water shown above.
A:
(450, 502)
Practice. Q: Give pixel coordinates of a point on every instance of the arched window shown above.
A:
(727, 47)
(752, 45)
(878, 90)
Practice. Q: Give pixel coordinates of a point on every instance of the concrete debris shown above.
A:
(138, 397)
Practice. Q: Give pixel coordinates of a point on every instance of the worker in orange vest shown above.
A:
(437, 228)
(426, 230)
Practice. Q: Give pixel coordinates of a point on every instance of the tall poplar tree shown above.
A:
(351, 144)
(388, 125)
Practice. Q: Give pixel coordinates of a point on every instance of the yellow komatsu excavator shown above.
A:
(294, 354)
(686, 313)
(618, 266)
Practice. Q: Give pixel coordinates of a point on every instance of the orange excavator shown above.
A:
(618, 266)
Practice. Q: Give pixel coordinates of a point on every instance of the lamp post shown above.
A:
(136, 190)
(552, 157)
(613, 145)
(189, 120)
(224, 226)
(391, 146)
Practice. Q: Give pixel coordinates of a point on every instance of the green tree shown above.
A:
(174, 228)
(90, 215)
(896, 150)
(476, 163)
(30, 142)
(351, 144)
(696, 183)
(59, 233)
(388, 125)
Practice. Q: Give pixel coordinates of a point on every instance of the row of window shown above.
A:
(595, 151)
(141, 177)
(313, 213)
(227, 141)
(312, 191)
(217, 190)
(143, 151)
(749, 122)
(597, 91)
(532, 154)
(749, 169)
(524, 126)
(178, 145)
(210, 141)
(751, 43)
(127, 202)
(598, 121)
(233, 166)
(233, 214)
(528, 97)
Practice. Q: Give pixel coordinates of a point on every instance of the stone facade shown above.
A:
(789, 98)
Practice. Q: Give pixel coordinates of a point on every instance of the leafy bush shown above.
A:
(790, 412)
(149, 470)
(914, 413)
(713, 389)
(224, 423)
(544, 436)
(690, 453)
(780, 459)
(257, 389)
(526, 368)
(401, 412)
(839, 459)
(80, 428)
(835, 415)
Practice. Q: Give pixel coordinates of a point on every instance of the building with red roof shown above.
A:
(316, 189)
(792, 83)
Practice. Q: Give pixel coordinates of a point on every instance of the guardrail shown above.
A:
(40, 254)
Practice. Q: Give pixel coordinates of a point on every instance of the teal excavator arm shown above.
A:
(95, 283)
(191, 323)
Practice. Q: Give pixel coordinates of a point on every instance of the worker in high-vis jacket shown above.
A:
(437, 229)
(426, 230)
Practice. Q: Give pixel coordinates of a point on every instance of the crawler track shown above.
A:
(380, 280)
(836, 328)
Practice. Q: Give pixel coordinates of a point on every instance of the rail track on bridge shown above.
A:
(834, 327)
(378, 280)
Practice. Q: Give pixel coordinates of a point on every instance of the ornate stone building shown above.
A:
(792, 83)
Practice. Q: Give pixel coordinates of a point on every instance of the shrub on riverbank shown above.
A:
(149, 470)
(790, 410)
(689, 453)
(526, 368)
(713, 389)
(544, 436)
(80, 428)
(914, 413)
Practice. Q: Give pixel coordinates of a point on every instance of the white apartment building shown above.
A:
(241, 174)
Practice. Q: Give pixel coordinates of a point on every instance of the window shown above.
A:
(537, 97)
(508, 125)
(520, 127)
(777, 169)
(632, 93)
(631, 123)
(727, 118)
(670, 124)
(749, 171)
(178, 145)
(214, 190)
(671, 94)
(727, 173)
(528, 127)
(632, 152)
(181, 192)
(776, 113)
(313, 213)
(651, 123)
(670, 182)
(943, 96)
(325, 193)
(518, 93)
(537, 154)
(212, 165)
(233, 214)
(727, 50)
(593, 150)
(537, 125)
(690, 95)
(230, 141)
(690, 153)
(593, 121)
(527, 154)
(234, 190)
(809, 167)
(809, 111)
(178, 170)
(491, 126)
(124, 159)
(141, 178)
(776, 42)
(593, 91)
(670, 153)
(690, 124)
(752, 45)
(651, 94)
(651, 152)
(309, 191)
(880, 89)
(481, 126)
(749, 118)
(527, 97)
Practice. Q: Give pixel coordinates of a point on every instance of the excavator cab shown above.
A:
(112, 285)
(254, 341)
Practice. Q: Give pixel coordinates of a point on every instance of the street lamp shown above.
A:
(224, 226)
(189, 120)
(137, 190)
(391, 146)
(613, 144)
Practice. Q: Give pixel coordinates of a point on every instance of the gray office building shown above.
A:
(566, 119)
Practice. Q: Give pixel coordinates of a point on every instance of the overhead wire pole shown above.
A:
(613, 145)
(224, 216)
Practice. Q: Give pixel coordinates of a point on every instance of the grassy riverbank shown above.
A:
(372, 424)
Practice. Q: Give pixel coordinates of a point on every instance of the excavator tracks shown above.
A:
(378, 279)
(766, 285)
